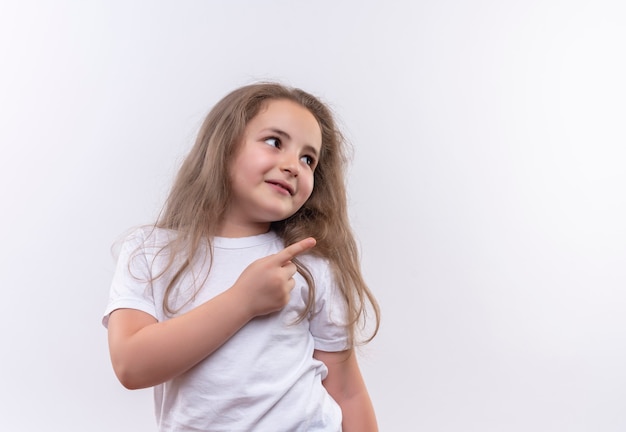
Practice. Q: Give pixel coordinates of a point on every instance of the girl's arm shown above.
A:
(345, 384)
(145, 352)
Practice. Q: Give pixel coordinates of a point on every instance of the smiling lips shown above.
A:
(281, 186)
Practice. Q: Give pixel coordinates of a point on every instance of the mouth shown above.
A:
(281, 185)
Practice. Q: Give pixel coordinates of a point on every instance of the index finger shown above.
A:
(292, 251)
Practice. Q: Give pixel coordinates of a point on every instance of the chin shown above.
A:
(276, 216)
(284, 216)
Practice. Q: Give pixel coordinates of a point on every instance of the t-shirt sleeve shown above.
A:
(131, 287)
(327, 323)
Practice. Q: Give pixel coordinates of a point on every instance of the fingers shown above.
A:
(292, 251)
(289, 269)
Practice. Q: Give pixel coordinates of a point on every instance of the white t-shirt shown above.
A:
(264, 378)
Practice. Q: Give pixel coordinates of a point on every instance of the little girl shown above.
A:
(241, 305)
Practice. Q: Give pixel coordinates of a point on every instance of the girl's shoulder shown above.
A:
(146, 238)
(150, 234)
(314, 262)
(320, 269)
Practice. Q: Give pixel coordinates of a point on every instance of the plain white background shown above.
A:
(487, 191)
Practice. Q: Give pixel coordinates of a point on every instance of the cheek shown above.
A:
(309, 185)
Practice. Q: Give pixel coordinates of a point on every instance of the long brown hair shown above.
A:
(201, 193)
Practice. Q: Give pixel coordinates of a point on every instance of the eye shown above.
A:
(273, 141)
(308, 160)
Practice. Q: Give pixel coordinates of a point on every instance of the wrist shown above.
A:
(241, 303)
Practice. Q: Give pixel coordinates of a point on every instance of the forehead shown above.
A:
(289, 117)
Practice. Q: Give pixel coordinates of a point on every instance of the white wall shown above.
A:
(487, 191)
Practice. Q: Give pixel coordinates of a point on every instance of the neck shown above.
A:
(233, 230)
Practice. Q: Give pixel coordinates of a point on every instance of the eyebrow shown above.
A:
(285, 135)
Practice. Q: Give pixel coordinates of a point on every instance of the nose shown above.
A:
(289, 164)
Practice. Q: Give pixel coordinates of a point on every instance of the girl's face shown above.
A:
(272, 172)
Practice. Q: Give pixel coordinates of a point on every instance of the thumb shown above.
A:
(292, 251)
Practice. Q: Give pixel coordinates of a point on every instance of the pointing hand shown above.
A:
(266, 284)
